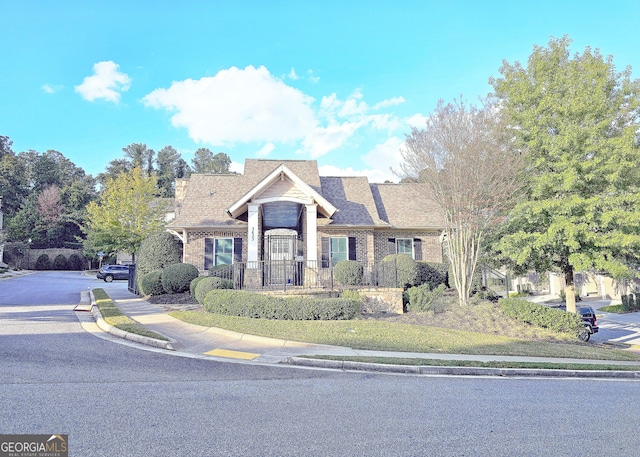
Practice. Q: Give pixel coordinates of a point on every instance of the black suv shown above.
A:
(111, 272)
(590, 323)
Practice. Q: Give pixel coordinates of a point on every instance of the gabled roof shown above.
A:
(212, 200)
(280, 173)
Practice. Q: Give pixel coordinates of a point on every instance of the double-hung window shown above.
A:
(404, 246)
(221, 251)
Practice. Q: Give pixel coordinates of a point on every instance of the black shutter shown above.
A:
(352, 248)
(392, 245)
(208, 253)
(326, 248)
(237, 250)
(417, 248)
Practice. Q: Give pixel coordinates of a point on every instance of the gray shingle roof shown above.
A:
(359, 203)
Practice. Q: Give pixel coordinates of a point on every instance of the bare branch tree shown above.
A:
(466, 155)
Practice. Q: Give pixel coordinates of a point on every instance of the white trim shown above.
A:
(240, 206)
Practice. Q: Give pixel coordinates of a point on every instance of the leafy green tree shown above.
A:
(14, 186)
(204, 161)
(126, 213)
(578, 119)
(140, 157)
(167, 162)
(114, 169)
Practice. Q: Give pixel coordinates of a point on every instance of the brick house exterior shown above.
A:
(283, 210)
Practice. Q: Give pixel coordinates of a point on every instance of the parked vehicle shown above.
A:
(590, 322)
(111, 272)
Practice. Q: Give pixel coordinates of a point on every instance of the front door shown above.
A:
(280, 266)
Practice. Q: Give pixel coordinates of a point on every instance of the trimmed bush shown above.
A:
(176, 278)
(208, 284)
(76, 262)
(542, 316)
(348, 272)
(157, 252)
(423, 298)
(60, 263)
(43, 262)
(398, 270)
(249, 304)
(193, 284)
(433, 274)
(151, 283)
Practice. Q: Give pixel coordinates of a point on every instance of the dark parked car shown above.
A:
(111, 272)
(590, 322)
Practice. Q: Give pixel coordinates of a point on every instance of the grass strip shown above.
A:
(389, 336)
(479, 364)
(114, 317)
(617, 309)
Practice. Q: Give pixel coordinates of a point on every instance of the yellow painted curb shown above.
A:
(232, 354)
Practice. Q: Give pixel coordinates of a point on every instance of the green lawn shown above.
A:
(390, 336)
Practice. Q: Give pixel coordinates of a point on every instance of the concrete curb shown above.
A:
(458, 371)
(104, 326)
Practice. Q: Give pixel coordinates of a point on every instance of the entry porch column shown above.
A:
(312, 234)
(253, 235)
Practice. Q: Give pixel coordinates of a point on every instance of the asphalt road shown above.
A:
(119, 400)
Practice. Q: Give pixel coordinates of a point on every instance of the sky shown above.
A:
(339, 82)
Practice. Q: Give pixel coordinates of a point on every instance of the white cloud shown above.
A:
(418, 121)
(311, 77)
(323, 140)
(266, 150)
(51, 89)
(384, 158)
(106, 83)
(292, 75)
(237, 105)
(390, 102)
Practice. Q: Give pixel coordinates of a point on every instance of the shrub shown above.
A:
(176, 278)
(76, 262)
(60, 263)
(151, 283)
(433, 274)
(43, 262)
(206, 285)
(248, 304)
(348, 272)
(398, 270)
(542, 316)
(193, 284)
(157, 252)
(423, 298)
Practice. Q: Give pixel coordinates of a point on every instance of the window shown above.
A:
(404, 246)
(335, 249)
(338, 250)
(222, 251)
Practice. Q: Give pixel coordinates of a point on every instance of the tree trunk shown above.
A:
(570, 289)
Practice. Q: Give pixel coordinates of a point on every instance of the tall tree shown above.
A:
(467, 158)
(126, 213)
(167, 162)
(578, 118)
(140, 157)
(14, 184)
(204, 161)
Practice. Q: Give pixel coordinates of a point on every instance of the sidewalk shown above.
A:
(205, 342)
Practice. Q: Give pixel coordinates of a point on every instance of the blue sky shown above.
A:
(340, 82)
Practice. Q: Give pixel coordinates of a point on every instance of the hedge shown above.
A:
(176, 278)
(193, 284)
(532, 313)
(433, 274)
(60, 262)
(249, 304)
(157, 252)
(206, 285)
(151, 283)
(76, 262)
(398, 270)
(43, 262)
(348, 272)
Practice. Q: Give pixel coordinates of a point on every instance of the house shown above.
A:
(283, 212)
